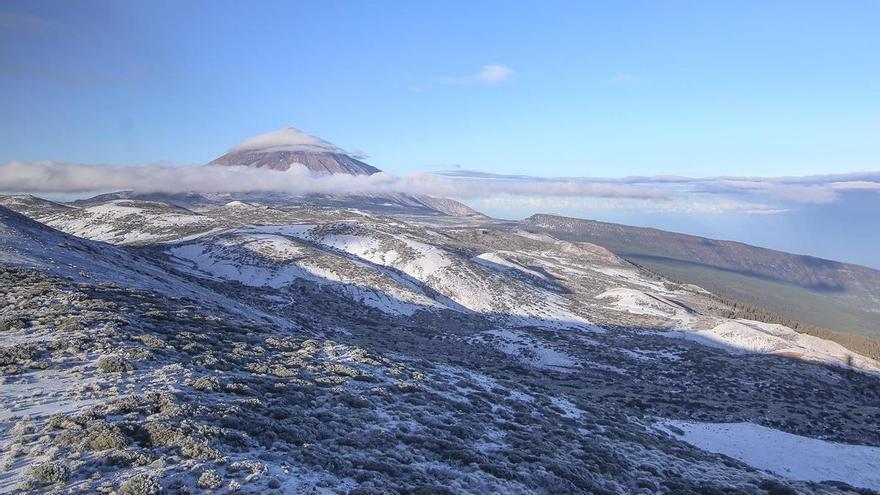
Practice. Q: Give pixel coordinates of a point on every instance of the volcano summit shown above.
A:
(280, 149)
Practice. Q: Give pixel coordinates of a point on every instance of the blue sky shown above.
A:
(598, 88)
(551, 89)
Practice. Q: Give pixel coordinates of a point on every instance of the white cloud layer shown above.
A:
(856, 185)
(777, 193)
(48, 176)
(753, 195)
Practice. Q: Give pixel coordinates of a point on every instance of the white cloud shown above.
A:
(794, 193)
(488, 75)
(856, 185)
(493, 74)
(752, 195)
(47, 176)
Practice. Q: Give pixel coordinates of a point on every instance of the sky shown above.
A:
(531, 89)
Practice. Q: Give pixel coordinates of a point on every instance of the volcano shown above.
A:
(280, 149)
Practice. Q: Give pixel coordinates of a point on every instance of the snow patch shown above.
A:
(747, 336)
(638, 302)
(530, 350)
(496, 261)
(630, 275)
(792, 456)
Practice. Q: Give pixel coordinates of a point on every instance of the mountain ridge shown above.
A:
(734, 269)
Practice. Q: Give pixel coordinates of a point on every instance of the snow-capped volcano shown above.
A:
(288, 139)
(282, 148)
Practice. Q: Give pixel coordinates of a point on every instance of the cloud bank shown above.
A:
(48, 176)
(758, 194)
(752, 195)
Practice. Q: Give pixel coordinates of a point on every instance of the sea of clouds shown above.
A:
(757, 195)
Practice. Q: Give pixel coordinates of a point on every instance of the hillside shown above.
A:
(831, 294)
(331, 350)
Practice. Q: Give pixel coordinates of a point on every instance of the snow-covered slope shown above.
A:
(258, 259)
(132, 222)
(394, 271)
(309, 349)
(121, 221)
(460, 281)
(33, 206)
(25, 243)
(747, 336)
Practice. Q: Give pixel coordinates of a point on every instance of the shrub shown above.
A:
(9, 323)
(433, 490)
(197, 449)
(406, 386)
(342, 370)
(106, 440)
(206, 384)
(776, 488)
(49, 473)
(210, 480)
(140, 485)
(113, 364)
(126, 458)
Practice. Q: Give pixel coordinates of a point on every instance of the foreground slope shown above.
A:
(337, 351)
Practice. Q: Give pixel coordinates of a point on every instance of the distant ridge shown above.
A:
(835, 295)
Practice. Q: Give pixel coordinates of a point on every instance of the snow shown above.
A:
(747, 336)
(276, 247)
(463, 283)
(300, 231)
(628, 274)
(29, 244)
(496, 261)
(242, 205)
(373, 267)
(289, 139)
(788, 455)
(531, 350)
(276, 261)
(120, 222)
(197, 235)
(360, 246)
(638, 302)
(206, 262)
(569, 410)
(432, 259)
